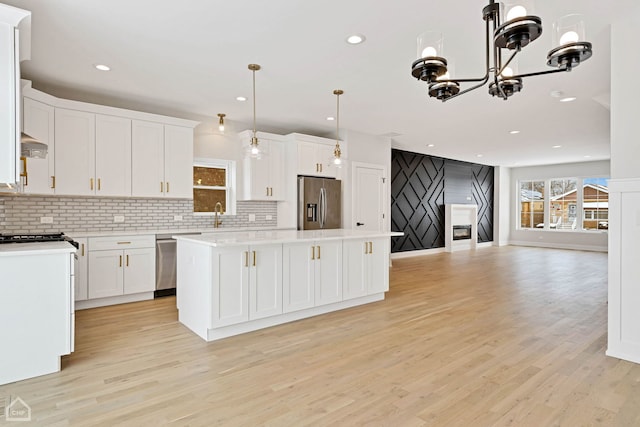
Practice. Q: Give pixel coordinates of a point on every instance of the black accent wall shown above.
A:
(420, 187)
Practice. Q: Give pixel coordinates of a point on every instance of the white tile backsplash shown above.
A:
(21, 214)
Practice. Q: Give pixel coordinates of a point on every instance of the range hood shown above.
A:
(32, 148)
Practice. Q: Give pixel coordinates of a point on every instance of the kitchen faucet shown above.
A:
(217, 211)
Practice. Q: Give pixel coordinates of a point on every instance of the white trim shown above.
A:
(549, 245)
(230, 190)
(122, 299)
(421, 252)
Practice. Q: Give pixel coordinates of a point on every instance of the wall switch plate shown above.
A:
(177, 217)
(46, 220)
(269, 217)
(252, 217)
(118, 218)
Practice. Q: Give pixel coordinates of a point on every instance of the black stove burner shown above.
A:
(33, 238)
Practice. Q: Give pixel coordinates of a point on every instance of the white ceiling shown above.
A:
(189, 59)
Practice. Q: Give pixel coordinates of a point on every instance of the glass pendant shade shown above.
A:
(430, 45)
(221, 122)
(514, 9)
(568, 29)
(337, 160)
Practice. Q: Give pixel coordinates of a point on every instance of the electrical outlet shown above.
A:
(268, 217)
(118, 218)
(46, 220)
(252, 217)
(177, 217)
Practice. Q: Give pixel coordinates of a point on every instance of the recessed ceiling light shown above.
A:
(587, 157)
(241, 98)
(331, 118)
(431, 145)
(514, 132)
(356, 39)
(557, 94)
(102, 67)
(557, 146)
(568, 99)
(479, 155)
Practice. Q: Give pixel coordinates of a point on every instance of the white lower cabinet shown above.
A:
(82, 267)
(312, 274)
(365, 267)
(247, 283)
(115, 271)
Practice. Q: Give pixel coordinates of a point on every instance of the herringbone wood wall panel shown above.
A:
(418, 188)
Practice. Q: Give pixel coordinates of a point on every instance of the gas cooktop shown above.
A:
(38, 237)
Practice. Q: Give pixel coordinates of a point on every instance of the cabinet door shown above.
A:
(139, 270)
(298, 269)
(353, 267)
(230, 296)
(178, 161)
(105, 274)
(307, 161)
(378, 266)
(81, 289)
(277, 168)
(265, 281)
(256, 178)
(328, 272)
(39, 123)
(324, 153)
(75, 152)
(147, 159)
(9, 100)
(113, 156)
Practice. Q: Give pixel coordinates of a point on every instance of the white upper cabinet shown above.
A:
(113, 156)
(38, 122)
(14, 47)
(162, 159)
(75, 152)
(314, 155)
(264, 179)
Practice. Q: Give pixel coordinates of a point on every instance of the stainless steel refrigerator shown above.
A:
(319, 203)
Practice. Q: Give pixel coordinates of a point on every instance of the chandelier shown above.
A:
(508, 31)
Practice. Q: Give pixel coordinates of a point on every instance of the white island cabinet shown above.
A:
(231, 283)
(36, 308)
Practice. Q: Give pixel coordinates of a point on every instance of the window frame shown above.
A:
(230, 178)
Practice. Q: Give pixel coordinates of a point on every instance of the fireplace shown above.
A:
(461, 232)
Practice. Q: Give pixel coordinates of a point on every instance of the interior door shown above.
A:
(368, 196)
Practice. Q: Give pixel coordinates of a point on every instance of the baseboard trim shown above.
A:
(559, 246)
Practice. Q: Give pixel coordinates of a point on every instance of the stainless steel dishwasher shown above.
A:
(166, 256)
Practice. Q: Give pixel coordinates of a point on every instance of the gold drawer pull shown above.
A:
(124, 243)
(53, 181)
(318, 251)
(254, 258)
(120, 260)
(313, 252)
(91, 183)
(167, 186)
(127, 260)
(246, 258)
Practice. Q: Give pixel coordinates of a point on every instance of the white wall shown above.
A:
(624, 195)
(502, 205)
(210, 143)
(585, 240)
(366, 149)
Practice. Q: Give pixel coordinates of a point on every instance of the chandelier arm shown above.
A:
(540, 73)
(506, 64)
(462, 92)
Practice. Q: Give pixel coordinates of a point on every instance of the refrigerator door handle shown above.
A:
(321, 209)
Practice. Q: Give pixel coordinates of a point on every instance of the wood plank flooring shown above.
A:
(507, 336)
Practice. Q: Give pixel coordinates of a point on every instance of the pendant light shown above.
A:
(337, 160)
(221, 122)
(254, 150)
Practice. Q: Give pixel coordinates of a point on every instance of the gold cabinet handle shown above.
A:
(24, 172)
(167, 186)
(120, 260)
(161, 187)
(318, 251)
(246, 258)
(91, 183)
(124, 243)
(99, 184)
(267, 191)
(127, 260)
(366, 248)
(53, 181)
(370, 247)
(254, 258)
(313, 252)
(82, 249)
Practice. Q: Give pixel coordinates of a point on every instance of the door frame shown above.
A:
(386, 207)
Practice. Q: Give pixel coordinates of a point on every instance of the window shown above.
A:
(563, 204)
(213, 183)
(564, 198)
(531, 204)
(595, 205)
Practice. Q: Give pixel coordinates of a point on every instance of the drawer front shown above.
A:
(122, 242)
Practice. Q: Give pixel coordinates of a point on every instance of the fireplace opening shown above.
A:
(461, 232)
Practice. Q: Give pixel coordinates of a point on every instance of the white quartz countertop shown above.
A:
(165, 231)
(12, 249)
(281, 236)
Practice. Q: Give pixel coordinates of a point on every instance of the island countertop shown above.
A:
(222, 239)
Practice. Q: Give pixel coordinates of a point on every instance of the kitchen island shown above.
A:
(232, 283)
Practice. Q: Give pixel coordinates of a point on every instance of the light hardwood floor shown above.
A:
(501, 336)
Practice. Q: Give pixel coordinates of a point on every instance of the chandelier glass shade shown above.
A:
(508, 29)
